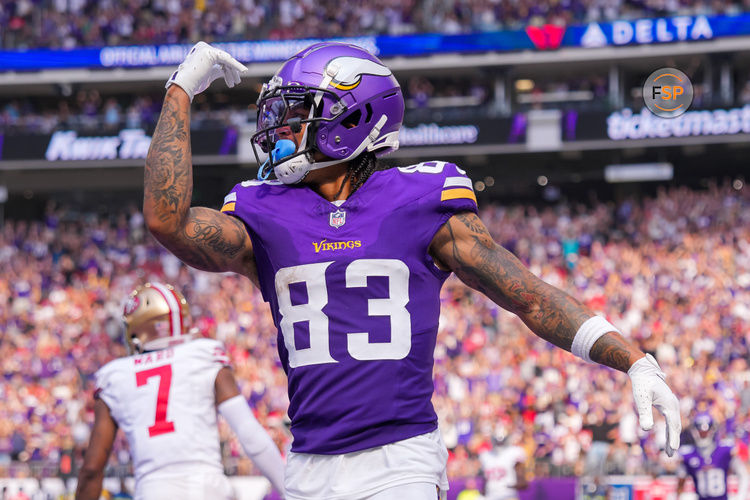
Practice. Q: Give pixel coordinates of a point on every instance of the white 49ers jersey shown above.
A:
(499, 470)
(164, 402)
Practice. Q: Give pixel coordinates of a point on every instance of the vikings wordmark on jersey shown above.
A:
(355, 299)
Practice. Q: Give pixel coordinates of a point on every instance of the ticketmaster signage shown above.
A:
(625, 125)
(617, 33)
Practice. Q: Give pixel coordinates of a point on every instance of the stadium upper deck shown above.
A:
(77, 23)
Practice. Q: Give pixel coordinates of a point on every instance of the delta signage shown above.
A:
(547, 37)
(647, 31)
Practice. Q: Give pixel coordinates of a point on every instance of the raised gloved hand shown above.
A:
(650, 389)
(203, 65)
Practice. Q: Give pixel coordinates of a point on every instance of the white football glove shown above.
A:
(203, 65)
(651, 389)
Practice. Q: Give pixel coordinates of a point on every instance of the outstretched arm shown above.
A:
(91, 475)
(464, 246)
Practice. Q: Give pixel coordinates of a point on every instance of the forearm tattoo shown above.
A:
(211, 240)
(614, 351)
(168, 176)
(466, 247)
(201, 237)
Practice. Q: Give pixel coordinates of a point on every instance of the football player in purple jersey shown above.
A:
(708, 462)
(351, 257)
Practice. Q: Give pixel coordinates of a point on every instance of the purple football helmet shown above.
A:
(349, 100)
(703, 430)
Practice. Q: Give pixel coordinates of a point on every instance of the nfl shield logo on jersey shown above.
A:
(338, 218)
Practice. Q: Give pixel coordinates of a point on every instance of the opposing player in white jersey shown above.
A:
(504, 470)
(165, 397)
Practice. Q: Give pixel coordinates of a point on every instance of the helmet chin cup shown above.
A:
(293, 170)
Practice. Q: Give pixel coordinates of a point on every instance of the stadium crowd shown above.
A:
(672, 271)
(75, 23)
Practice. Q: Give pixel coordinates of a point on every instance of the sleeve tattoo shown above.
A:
(168, 175)
(201, 237)
(465, 246)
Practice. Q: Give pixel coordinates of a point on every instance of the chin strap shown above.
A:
(294, 170)
(369, 140)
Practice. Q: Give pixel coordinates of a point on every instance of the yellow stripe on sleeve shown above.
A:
(452, 194)
(228, 207)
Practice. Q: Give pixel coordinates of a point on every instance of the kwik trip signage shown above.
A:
(125, 144)
(67, 145)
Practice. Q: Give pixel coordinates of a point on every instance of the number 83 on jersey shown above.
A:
(358, 344)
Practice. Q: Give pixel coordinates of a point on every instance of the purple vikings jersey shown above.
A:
(355, 297)
(710, 472)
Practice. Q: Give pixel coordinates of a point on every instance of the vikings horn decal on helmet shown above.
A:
(349, 71)
(155, 316)
(342, 99)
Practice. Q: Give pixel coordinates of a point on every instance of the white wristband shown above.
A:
(588, 333)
